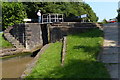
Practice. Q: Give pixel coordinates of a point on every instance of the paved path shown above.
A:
(111, 53)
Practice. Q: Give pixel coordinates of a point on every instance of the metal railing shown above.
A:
(50, 18)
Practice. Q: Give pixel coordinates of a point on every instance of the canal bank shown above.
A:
(20, 64)
(32, 64)
(30, 38)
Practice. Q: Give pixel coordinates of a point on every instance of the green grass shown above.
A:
(81, 57)
(80, 61)
(84, 46)
(4, 43)
(47, 62)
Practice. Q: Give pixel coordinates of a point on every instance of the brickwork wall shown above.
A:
(28, 34)
(58, 30)
(18, 31)
(34, 35)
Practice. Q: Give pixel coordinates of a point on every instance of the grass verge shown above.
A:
(81, 58)
(47, 62)
(4, 43)
(80, 61)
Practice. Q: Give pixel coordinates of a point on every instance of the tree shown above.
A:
(91, 15)
(69, 9)
(12, 13)
(118, 17)
(104, 21)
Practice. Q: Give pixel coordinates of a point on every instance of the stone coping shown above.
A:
(32, 64)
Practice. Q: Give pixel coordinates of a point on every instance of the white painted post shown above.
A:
(27, 46)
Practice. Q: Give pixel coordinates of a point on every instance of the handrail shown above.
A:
(50, 18)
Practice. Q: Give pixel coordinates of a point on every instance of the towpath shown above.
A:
(111, 49)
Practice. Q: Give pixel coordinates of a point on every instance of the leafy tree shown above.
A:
(118, 17)
(91, 15)
(32, 8)
(104, 21)
(0, 16)
(69, 9)
(12, 13)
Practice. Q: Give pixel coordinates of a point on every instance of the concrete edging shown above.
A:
(32, 64)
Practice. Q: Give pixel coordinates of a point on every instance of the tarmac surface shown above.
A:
(111, 49)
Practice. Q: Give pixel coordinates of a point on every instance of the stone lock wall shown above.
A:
(18, 32)
(58, 30)
(34, 35)
(28, 34)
